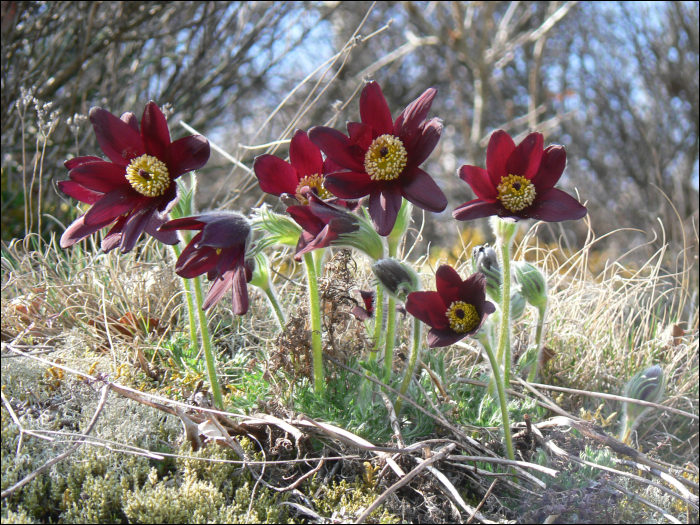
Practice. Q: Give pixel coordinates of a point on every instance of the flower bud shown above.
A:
(484, 260)
(517, 305)
(647, 385)
(532, 283)
(398, 278)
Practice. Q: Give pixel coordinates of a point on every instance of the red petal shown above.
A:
(439, 338)
(275, 175)
(240, 292)
(429, 308)
(154, 131)
(375, 111)
(114, 236)
(337, 147)
(185, 223)
(225, 231)
(427, 140)
(479, 181)
(306, 219)
(551, 167)
(349, 184)
(117, 139)
(195, 261)
(99, 176)
(476, 209)
(131, 119)
(360, 135)
(500, 148)
(384, 207)
(448, 283)
(554, 206)
(331, 167)
(217, 290)
(304, 156)
(408, 123)
(117, 202)
(80, 192)
(186, 154)
(419, 188)
(79, 230)
(473, 291)
(526, 157)
(153, 229)
(77, 161)
(136, 224)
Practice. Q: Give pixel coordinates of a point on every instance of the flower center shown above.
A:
(386, 158)
(516, 192)
(312, 181)
(463, 317)
(148, 176)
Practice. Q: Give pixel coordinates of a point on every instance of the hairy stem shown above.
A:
(532, 376)
(378, 322)
(390, 336)
(190, 302)
(206, 343)
(412, 360)
(503, 351)
(315, 314)
(495, 367)
(272, 297)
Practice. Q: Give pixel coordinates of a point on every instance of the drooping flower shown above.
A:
(457, 309)
(135, 189)
(518, 182)
(306, 168)
(218, 250)
(368, 297)
(325, 224)
(384, 157)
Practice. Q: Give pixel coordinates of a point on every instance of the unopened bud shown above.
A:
(398, 278)
(532, 283)
(517, 305)
(647, 385)
(484, 260)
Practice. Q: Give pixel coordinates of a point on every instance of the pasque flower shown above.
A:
(518, 182)
(325, 224)
(219, 250)
(306, 168)
(134, 189)
(457, 309)
(383, 157)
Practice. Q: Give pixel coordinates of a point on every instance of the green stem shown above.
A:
(390, 335)
(378, 322)
(272, 297)
(503, 351)
(495, 367)
(318, 260)
(206, 343)
(190, 304)
(532, 376)
(412, 360)
(315, 314)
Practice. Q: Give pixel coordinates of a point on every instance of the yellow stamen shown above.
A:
(516, 192)
(312, 181)
(386, 158)
(463, 317)
(148, 176)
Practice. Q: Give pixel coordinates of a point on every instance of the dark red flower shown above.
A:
(322, 223)
(218, 250)
(136, 189)
(384, 156)
(518, 182)
(368, 311)
(306, 168)
(456, 310)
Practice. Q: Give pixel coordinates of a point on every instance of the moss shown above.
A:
(349, 499)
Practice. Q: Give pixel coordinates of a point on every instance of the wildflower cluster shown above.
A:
(352, 190)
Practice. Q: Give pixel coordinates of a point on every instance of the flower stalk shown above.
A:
(315, 315)
(412, 360)
(542, 315)
(191, 318)
(504, 231)
(378, 322)
(206, 344)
